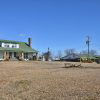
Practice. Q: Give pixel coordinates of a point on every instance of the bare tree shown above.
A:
(91, 52)
(84, 52)
(59, 54)
(69, 51)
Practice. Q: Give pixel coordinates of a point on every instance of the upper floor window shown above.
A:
(7, 46)
(14, 46)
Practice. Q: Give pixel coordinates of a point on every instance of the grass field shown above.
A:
(48, 81)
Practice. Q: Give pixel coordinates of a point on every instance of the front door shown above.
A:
(10, 55)
(26, 55)
(15, 54)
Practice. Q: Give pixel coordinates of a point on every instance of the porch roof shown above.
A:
(11, 49)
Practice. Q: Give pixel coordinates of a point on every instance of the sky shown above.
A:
(57, 24)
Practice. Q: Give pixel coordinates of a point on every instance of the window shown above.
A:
(0, 45)
(14, 46)
(10, 54)
(7, 46)
(26, 55)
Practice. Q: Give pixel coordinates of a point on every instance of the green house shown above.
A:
(14, 50)
(89, 59)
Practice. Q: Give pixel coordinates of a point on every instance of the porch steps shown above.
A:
(14, 60)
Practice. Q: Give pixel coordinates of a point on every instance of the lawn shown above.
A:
(48, 81)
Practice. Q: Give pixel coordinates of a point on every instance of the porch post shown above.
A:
(7, 56)
(36, 56)
(22, 56)
(4, 55)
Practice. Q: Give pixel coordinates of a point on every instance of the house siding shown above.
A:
(30, 55)
(1, 55)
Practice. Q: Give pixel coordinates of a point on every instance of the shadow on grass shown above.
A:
(53, 68)
(82, 67)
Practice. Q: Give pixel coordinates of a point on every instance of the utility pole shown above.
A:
(88, 44)
(48, 54)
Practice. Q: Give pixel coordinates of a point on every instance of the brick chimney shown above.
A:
(30, 42)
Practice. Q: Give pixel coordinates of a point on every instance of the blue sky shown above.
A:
(58, 24)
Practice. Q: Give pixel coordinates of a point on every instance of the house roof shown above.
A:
(78, 56)
(24, 47)
(71, 56)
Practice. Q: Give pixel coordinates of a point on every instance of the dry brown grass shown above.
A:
(48, 81)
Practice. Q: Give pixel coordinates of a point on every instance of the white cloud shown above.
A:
(22, 34)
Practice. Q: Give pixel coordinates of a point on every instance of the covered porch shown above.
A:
(11, 55)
